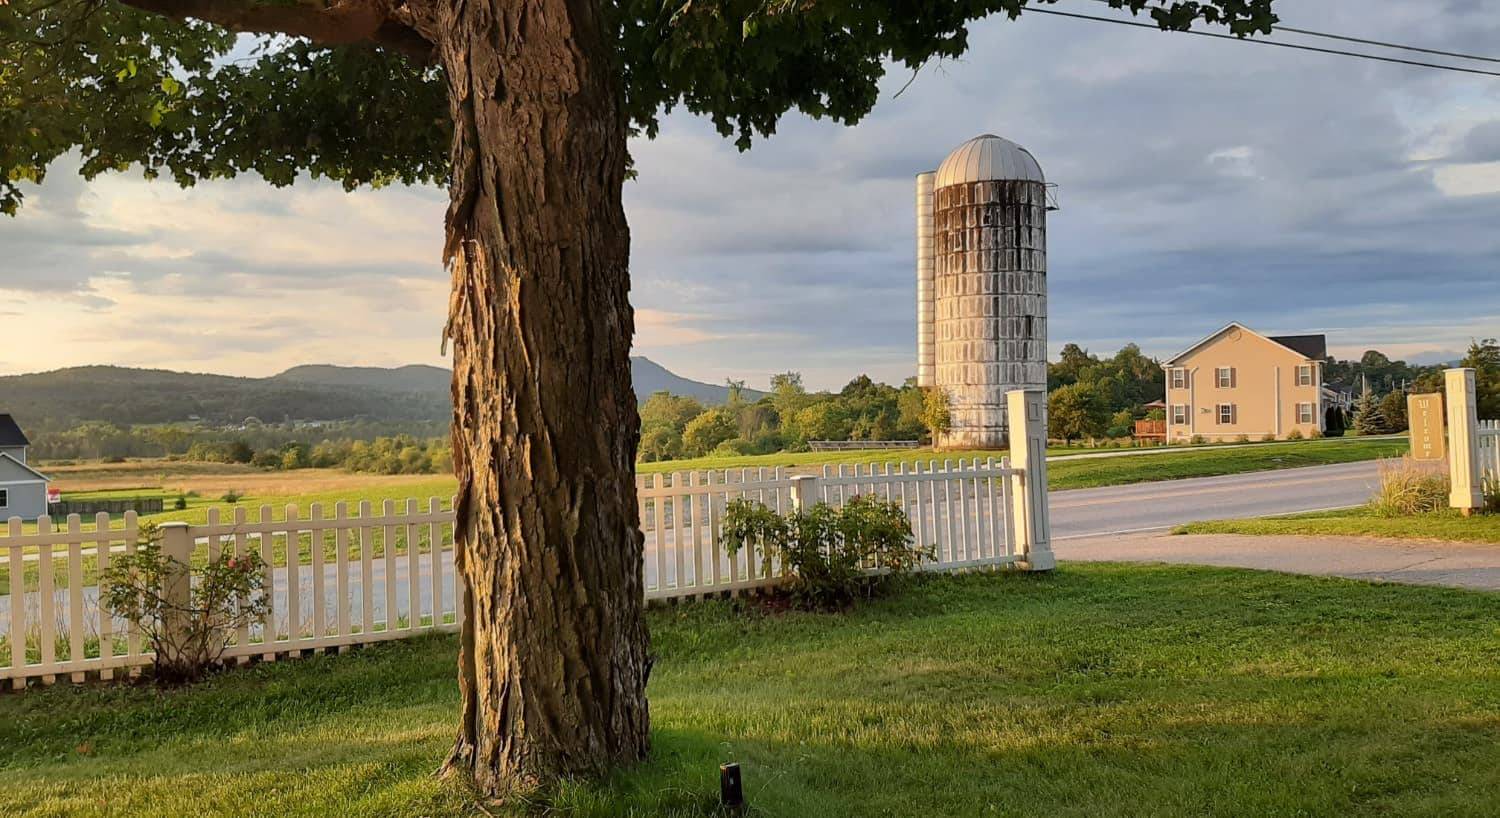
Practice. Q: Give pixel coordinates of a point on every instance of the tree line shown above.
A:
(362, 446)
(1377, 413)
(1089, 397)
(786, 419)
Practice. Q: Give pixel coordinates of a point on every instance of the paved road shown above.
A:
(1147, 506)
(1466, 565)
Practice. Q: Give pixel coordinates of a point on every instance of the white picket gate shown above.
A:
(1489, 451)
(961, 511)
(361, 575)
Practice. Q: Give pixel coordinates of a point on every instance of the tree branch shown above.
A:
(344, 22)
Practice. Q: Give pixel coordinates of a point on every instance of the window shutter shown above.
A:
(1233, 373)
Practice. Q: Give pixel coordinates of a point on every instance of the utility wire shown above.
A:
(1260, 41)
(1365, 41)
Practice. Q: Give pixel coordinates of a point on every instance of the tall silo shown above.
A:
(986, 273)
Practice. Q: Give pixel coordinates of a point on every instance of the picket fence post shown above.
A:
(1027, 411)
(1463, 441)
(177, 547)
(804, 492)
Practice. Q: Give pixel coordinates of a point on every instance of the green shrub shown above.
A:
(188, 633)
(1408, 487)
(829, 556)
(233, 496)
(180, 503)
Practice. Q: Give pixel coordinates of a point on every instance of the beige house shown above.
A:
(1237, 382)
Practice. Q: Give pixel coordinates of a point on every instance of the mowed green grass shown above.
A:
(1098, 690)
(1117, 471)
(1062, 474)
(1362, 522)
(1310, 452)
(861, 457)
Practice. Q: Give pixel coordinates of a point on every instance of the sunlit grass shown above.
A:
(1447, 525)
(1100, 690)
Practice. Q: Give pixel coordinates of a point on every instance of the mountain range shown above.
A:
(126, 395)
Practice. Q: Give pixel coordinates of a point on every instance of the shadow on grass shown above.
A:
(1099, 690)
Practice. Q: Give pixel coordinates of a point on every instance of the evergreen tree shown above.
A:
(1368, 419)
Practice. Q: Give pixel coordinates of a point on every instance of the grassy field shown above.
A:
(206, 483)
(1100, 690)
(925, 456)
(1117, 471)
(1361, 522)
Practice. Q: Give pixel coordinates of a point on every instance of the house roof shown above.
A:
(8, 462)
(1303, 345)
(10, 433)
(1310, 346)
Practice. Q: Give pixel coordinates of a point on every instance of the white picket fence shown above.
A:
(361, 575)
(1489, 450)
(335, 580)
(961, 511)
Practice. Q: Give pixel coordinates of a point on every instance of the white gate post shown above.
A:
(177, 546)
(1027, 410)
(804, 492)
(1463, 441)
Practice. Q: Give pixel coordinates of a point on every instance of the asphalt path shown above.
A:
(1149, 506)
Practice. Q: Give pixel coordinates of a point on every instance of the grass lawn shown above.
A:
(329, 486)
(1312, 451)
(1099, 690)
(1361, 522)
(1117, 471)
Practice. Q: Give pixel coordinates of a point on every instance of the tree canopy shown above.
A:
(357, 94)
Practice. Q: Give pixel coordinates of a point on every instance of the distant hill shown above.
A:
(410, 378)
(313, 392)
(650, 376)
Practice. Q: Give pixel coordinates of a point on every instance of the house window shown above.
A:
(1304, 413)
(1226, 413)
(1179, 378)
(1179, 415)
(1305, 375)
(1226, 377)
(4, 498)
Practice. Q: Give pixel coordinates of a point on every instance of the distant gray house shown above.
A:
(23, 490)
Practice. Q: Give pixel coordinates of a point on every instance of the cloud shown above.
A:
(1202, 181)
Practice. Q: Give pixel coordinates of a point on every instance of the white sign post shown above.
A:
(1463, 441)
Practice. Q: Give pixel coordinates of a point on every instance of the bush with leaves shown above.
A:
(188, 629)
(828, 556)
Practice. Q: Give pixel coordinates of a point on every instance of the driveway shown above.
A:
(1148, 506)
(1417, 562)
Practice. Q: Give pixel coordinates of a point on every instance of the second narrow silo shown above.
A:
(989, 285)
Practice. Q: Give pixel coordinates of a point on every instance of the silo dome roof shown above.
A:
(987, 158)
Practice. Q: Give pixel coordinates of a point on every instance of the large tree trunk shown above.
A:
(554, 650)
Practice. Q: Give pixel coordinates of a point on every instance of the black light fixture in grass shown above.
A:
(731, 788)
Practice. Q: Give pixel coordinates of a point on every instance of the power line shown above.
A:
(1261, 41)
(1381, 44)
(1365, 41)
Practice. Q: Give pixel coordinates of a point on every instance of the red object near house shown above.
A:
(1151, 430)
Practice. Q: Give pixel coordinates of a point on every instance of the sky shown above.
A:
(1201, 182)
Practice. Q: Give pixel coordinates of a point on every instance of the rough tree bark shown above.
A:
(554, 650)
